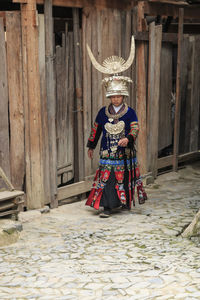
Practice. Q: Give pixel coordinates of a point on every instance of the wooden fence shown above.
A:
(79, 95)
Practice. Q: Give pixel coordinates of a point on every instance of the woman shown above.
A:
(118, 172)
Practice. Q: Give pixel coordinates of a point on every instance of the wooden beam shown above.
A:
(33, 111)
(155, 39)
(167, 161)
(74, 189)
(141, 94)
(174, 2)
(126, 4)
(189, 156)
(162, 9)
(178, 91)
(51, 99)
(166, 37)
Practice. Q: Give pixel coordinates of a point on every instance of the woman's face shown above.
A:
(116, 100)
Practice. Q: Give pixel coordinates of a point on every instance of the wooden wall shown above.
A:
(107, 32)
(80, 94)
(190, 95)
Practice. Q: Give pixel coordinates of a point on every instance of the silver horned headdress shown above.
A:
(113, 65)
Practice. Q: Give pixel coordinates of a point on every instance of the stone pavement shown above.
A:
(71, 253)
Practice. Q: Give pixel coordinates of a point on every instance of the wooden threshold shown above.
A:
(167, 160)
(74, 189)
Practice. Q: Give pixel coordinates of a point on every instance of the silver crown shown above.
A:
(113, 65)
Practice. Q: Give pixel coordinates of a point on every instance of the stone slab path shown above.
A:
(71, 253)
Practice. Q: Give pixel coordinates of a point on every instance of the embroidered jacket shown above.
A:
(114, 127)
(104, 123)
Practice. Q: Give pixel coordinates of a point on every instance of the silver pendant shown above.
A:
(110, 120)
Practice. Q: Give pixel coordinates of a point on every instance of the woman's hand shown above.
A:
(123, 142)
(90, 153)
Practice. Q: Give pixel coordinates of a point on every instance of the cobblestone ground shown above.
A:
(71, 253)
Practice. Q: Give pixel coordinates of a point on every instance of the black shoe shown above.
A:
(125, 207)
(106, 213)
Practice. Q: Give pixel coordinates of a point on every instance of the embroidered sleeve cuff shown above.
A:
(91, 145)
(134, 129)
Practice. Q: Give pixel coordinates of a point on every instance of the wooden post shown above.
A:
(51, 102)
(141, 95)
(155, 40)
(79, 95)
(33, 130)
(87, 82)
(4, 125)
(45, 132)
(16, 105)
(178, 85)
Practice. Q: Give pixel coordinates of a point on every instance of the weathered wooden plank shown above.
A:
(125, 45)
(9, 212)
(33, 128)
(5, 195)
(6, 180)
(45, 132)
(87, 118)
(161, 9)
(16, 105)
(4, 124)
(65, 170)
(25, 98)
(70, 124)
(164, 162)
(74, 189)
(6, 206)
(79, 94)
(189, 156)
(185, 116)
(51, 96)
(195, 95)
(3, 16)
(66, 115)
(60, 98)
(174, 2)
(165, 115)
(178, 85)
(95, 75)
(166, 37)
(85, 3)
(134, 70)
(167, 161)
(155, 38)
(141, 95)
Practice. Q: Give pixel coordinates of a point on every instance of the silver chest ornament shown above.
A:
(114, 132)
(115, 128)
